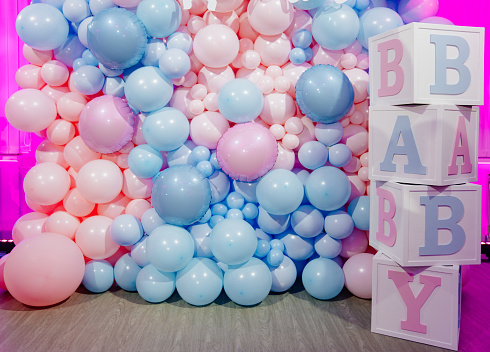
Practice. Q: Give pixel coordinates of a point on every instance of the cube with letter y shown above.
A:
(424, 63)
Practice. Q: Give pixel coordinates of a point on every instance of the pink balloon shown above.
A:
(215, 78)
(308, 132)
(293, 72)
(216, 45)
(302, 20)
(2, 270)
(207, 128)
(437, 20)
(270, 17)
(278, 107)
(44, 270)
(30, 110)
(322, 56)
(195, 23)
(246, 30)
(358, 271)
(229, 19)
(349, 61)
(45, 209)
(273, 50)
(28, 225)
(106, 124)
(357, 186)
(94, 238)
(115, 257)
(99, 181)
(353, 166)
(360, 80)
(55, 92)
(70, 105)
(181, 99)
(46, 183)
(60, 132)
(290, 141)
(363, 173)
(29, 76)
(355, 243)
(227, 5)
(115, 207)
(76, 204)
(417, 10)
(252, 75)
(285, 158)
(247, 151)
(137, 207)
(54, 73)
(46, 151)
(356, 138)
(62, 223)
(36, 57)
(135, 187)
(77, 153)
(138, 137)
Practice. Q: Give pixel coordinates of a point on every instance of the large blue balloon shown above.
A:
(153, 285)
(233, 241)
(327, 188)
(117, 38)
(160, 17)
(324, 93)
(181, 195)
(323, 278)
(376, 21)
(240, 100)
(166, 129)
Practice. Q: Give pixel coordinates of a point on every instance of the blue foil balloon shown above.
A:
(324, 93)
(181, 195)
(117, 38)
(99, 276)
(240, 100)
(323, 278)
(376, 21)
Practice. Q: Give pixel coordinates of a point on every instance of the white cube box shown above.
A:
(424, 63)
(421, 304)
(423, 144)
(418, 225)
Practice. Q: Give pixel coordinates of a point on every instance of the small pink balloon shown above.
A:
(106, 124)
(36, 57)
(364, 159)
(363, 61)
(348, 61)
(252, 75)
(195, 23)
(227, 5)
(137, 207)
(358, 272)
(190, 79)
(207, 128)
(77, 153)
(285, 158)
(302, 20)
(247, 151)
(211, 102)
(353, 166)
(76, 204)
(216, 45)
(266, 84)
(250, 59)
(70, 105)
(99, 181)
(277, 130)
(246, 44)
(282, 84)
(198, 91)
(278, 107)
(180, 100)
(54, 73)
(308, 133)
(135, 187)
(30, 110)
(122, 161)
(196, 107)
(360, 80)
(357, 186)
(2, 270)
(354, 244)
(46, 152)
(63, 223)
(294, 125)
(60, 132)
(293, 72)
(322, 56)
(215, 78)
(273, 50)
(55, 92)
(357, 118)
(229, 18)
(29, 76)
(246, 30)
(290, 141)
(363, 174)
(115, 207)
(356, 138)
(44, 270)
(46, 183)
(73, 177)
(94, 238)
(28, 225)
(270, 17)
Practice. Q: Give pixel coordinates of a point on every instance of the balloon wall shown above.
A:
(196, 146)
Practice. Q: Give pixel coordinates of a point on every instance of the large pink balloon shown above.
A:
(28, 225)
(29, 76)
(247, 151)
(358, 271)
(270, 17)
(99, 181)
(106, 124)
(44, 270)
(94, 238)
(216, 45)
(62, 223)
(46, 183)
(30, 110)
(3, 260)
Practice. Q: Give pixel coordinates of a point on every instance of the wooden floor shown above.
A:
(293, 321)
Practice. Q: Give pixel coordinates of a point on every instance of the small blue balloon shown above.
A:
(277, 244)
(180, 40)
(139, 252)
(274, 257)
(362, 4)
(76, 10)
(233, 241)
(234, 214)
(110, 73)
(272, 224)
(125, 273)
(263, 247)
(174, 63)
(324, 93)
(327, 188)
(339, 155)
(88, 80)
(99, 276)
(153, 285)
(214, 160)
(296, 247)
(166, 129)
(329, 134)
(219, 209)
(249, 283)
(235, 200)
(126, 230)
(200, 235)
(145, 161)
(308, 54)
(376, 21)
(359, 210)
(297, 56)
(335, 26)
(284, 275)
(323, 278)
(215, 220)
(77, 63)
(338, 224)
(307, 221)
(200, 153)
(206, 217)
(154, 50)
(250, 211)
(150, 220)
(69, 51)
(247, 190)
(205, 167)
(181, 195)
(240, 100)
(302, 38)
(220, 186)
(313, 155)
(160, 17)
(113, 86)
(327, 246)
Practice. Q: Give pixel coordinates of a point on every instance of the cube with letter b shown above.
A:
(425, 63)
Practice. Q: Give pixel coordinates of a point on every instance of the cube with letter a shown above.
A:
(419, 225)
(423, 144)
(421, 304)
(424, 63)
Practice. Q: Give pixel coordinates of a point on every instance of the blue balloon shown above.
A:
(274, 257)
(339, 155)
(148, 89)
(263, 247)
(170, 248)
(125, 273)
(113, 86)
(200, 235)
(359, 210)
(215, 220)
(313, 155)
(99, 276)
(220, 186)
(277, 244)
(110, 73)
(362, 4)
(302, 38)
(235, 200)
(296, 247)
(180, 40)
(308, 4)
(297, 56)
(139, 252)
(205, 219)
(327, 188)
(327, 246)
(272, 224)
(234, 214)
(250, 211)
(200, 153)
(280, 192)
(76, 10)
(155, 286)
(150, 220)
(214, 160)
(335, 26)
(69, 51)
(174, 63)
(99, 5)
(145, 161)
(376, 21)
(42, 26)
(154, 50)
(233, 241)
(166, 129)
(56, 3)
(200, 282)
(88, 80)
(126, 230)
(329, 134)
(338, 224)
(324, 93)
(240, 100)
(77, 63)
(219, 209)
(284, 275)
(117, 38)
(247, 189)
(249, 283)
(307, 221)
(181, 195)
(323, 278)
(160, 17)
(308, 54)
(205, 167)
(182, 155)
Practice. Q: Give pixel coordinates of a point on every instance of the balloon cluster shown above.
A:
(196, 149)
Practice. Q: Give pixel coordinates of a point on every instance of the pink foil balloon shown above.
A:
(135, 187)
(29, 76)
(358, 272)
(28, 225)
(207, 128)
(76, 204)
(77, 153)
(354, 244)
(94, 238)
(99, 181)
(115, 207)
(44, 270)
(273, 50)
(46, 151)
(46, 183)
(247, 151)
(63, 223)
(216, 45)
(70, 105)
(270, 17)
